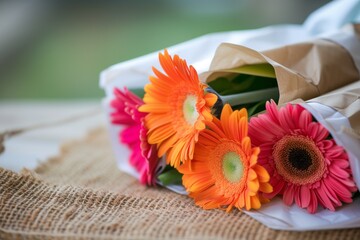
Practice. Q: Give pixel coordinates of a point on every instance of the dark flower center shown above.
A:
(299, 158)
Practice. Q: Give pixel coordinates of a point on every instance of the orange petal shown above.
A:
(215, 128)
(167, 64)
(234, 126)
(243, 128)
(210, 99)
(199, 125)
(247, 202)
(241, 200)
(246, 145)
(173, 157)
(154, 108)
(208, 137)
(255, 202)
(243, 113)
(165, 79)
(252, 174)
(218, 123)
(160, 134)
(206, 114)
(199, 185)
(199, 167)
(185, 168)
(265, 188)
(253, 185)
(262, 174)
(158, 120)
(165, 145)
(225, 115)
(263, 199)
(229, 208)
(254, 157)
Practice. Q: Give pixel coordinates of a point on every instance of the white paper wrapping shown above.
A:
(199, 52)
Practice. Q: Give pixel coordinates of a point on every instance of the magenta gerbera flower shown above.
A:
(143, 155)
(306, 166)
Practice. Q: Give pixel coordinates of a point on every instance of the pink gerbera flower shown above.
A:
(143, 156)
(305, 166)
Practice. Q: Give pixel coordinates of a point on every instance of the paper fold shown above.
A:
(303, 70)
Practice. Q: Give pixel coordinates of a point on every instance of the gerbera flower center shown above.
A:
(189, 109)
(298, 160)
(232, 167)
(227, 167)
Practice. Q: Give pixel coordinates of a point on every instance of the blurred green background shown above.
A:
(56, 49)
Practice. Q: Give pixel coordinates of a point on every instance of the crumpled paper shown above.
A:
(339, 112)
(199, 53)
(303, 70)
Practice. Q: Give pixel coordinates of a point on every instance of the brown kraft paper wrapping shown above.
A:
(304, 70)
(345, 100)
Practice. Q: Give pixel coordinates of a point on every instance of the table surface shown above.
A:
(61, 121)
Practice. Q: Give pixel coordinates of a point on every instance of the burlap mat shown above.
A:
(82, 195)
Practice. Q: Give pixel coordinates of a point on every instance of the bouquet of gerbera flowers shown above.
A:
(221, 138)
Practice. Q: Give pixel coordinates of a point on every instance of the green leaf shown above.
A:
(220, 84)
(224, 86)
(242, 83)
(260, 106)
(170, 177)
(247, 78)
(261, 70)
(138, 92)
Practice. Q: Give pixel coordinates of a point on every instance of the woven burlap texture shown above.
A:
(82, 195)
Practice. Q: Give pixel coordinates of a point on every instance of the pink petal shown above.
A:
(288, 197)
(305, 196)
(297, 195)
(278, 185)
(285, 118)
(121, 119)
(265, 150)
(131, 134)
(272, 111)
(304, 120)
(136, 159)
(313, 203)
(348, 182)
(115, 103)
(342, 163)
(335, 151)
(143, 156)
(259, 131)
(325, 145)
(336, 170)
(332, 195)
(324, 198)
(342, 192)
(312, 130)
(322, 133)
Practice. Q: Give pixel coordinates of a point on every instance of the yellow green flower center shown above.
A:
(189, 109)
(232, 167)
(228, 166)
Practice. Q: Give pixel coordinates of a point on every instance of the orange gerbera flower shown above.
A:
(224, 171)
(178, 106)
